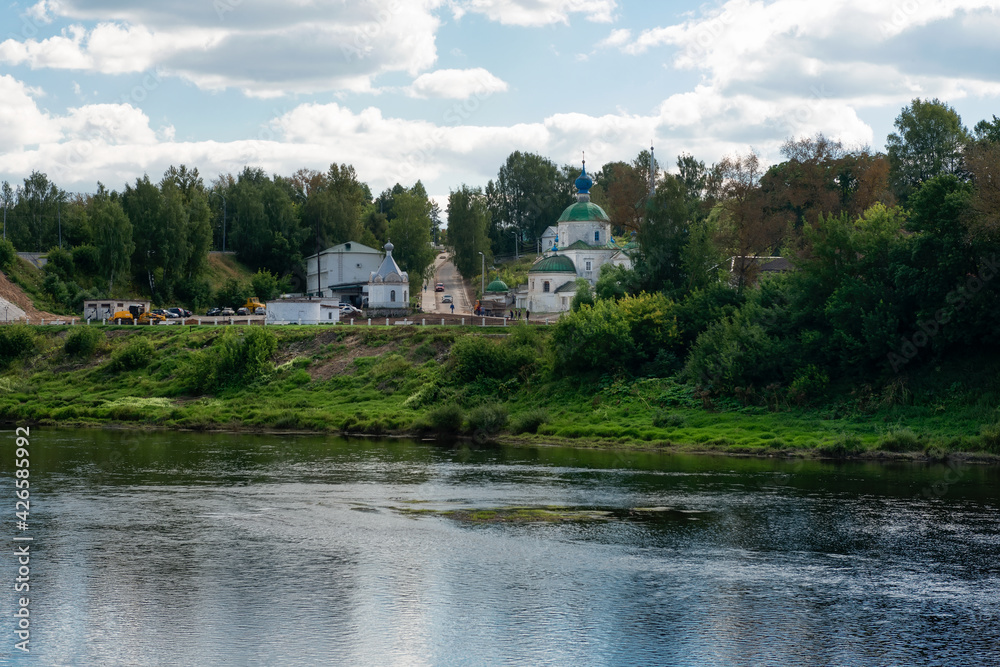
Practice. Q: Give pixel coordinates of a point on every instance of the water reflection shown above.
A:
(219, 549)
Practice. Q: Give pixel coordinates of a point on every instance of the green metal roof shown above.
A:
(569, 286)
(497, 286)
(584, 211)
(579, 245)
(553, 264)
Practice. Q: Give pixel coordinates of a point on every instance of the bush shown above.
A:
(245, 360)
(902, 440)
(7, 254)
(446, 418)
(60, 263)
(83, 341)
(477, 357)
(15, 340)
(86, 260)
(989, 437)
(666, 419)
(488, 419)
(842, 447)
(529, 422)
(232, 294)
(137, 353)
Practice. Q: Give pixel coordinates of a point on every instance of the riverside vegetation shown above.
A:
(499, 384)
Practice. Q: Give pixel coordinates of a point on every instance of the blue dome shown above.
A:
(584, 182)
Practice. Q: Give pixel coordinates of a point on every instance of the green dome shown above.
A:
(497, 286)
(584, 211)
(554, 264)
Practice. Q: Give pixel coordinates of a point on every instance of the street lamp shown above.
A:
(517, 242)
(483, 292)
(215, 192)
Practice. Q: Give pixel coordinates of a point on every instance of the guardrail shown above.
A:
(472, 320)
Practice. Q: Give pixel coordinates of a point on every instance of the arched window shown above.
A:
(392, 295)
(545, 286)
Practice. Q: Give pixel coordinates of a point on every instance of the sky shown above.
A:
(444, 90)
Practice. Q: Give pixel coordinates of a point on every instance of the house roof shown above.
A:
(554, 264)
(388, 267)
(568, 286)
(350, 246)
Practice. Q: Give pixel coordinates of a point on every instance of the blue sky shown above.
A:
(444, 90)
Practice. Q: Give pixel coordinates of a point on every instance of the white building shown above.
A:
(302, 311)
(582, 245)
(388, 285)
(343, 271)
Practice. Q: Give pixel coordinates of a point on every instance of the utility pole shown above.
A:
(483, 292)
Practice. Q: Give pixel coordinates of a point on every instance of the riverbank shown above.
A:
(432, 381)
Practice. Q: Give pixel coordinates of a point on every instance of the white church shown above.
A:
(581, 246)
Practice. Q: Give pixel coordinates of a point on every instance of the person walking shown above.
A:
(527, 315)
(453, 309)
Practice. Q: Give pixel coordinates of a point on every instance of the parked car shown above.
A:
(242, 311)
(348, 309)
(178, 312)
(227, 312)
(159, 311)
(213, 311)
(439, 287)
(446, 299)
(260, 310)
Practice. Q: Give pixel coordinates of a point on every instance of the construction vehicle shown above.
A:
(136, 315)
(254, 306)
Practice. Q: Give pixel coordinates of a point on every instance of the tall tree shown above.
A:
(144, 205)
(928, 142)
(468, 229)
(112, 234)
(34, 224)
(410, 233)
(663, 236)
(527, 196)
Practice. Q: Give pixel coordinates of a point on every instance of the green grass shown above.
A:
(397, 380)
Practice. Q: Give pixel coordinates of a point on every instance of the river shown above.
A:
(159, 548)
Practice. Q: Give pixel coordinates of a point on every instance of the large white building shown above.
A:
(343, 271)
(582, 245)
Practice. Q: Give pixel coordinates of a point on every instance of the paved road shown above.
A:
(445, 272)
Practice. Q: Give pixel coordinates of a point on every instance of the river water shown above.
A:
(219, 549)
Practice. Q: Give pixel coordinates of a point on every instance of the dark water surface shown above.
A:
(210, 549)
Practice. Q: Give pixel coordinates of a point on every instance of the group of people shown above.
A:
(515, 314)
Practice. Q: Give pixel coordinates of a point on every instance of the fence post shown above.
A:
(352, 321)
(423, 322)
(463, 321)
(484, 321)
(442, 321)
(369, 321)
(387, 321)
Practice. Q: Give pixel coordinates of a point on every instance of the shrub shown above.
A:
(989, 438)
(135, 354)
(83, 341)
(60, 263)
(244, 360)
(15, 340)
(529, 422)
(477, 357)
(7, 254)
(666, 419)
(902, 440)
(488, 419)
(446, 418)
(842, 447)
(86, 260)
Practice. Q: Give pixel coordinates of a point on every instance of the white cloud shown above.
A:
(536, 12)
(22, 124)
(263, 48)
(457, 84)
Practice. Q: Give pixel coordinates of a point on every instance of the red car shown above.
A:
(439, 287)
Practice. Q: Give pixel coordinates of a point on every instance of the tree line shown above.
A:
(153, 238)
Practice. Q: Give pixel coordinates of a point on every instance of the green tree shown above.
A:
(112, 234)
(410, 233)
(663, 236)
(527, 196)
(468, 229)
(928, 142)
(34, 222)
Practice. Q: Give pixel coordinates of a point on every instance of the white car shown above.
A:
(348, 309)
(446, 298)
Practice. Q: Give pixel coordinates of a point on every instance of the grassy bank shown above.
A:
(453, 381)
